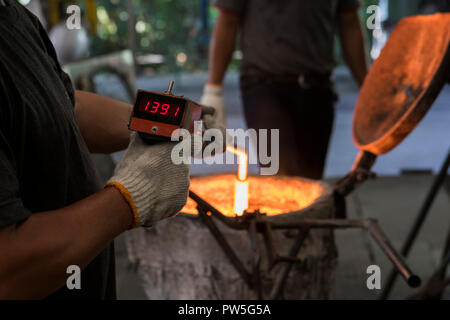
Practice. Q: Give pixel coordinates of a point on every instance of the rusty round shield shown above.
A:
(403, 82)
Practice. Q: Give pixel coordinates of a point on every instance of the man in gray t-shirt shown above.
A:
(287, 61)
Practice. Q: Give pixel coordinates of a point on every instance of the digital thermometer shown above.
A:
(157, 115)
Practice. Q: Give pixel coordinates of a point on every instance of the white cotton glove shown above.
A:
(154, 187)
(213, 97)
(209, 121)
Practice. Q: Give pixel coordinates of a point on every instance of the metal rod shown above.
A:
(228, 250)
(359, 173)
(384, 243)
(446, 260)
(286, 259)
(169, 89)
(438, 181)
(436, 285)
(446, 251)
(230, 222)
(318, 223)
(280, 281)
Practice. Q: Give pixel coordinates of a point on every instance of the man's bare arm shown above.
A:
(103, 122)
(352, 41)
(222, 46)
(36, 253)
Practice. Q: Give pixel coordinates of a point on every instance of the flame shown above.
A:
(240, 197)
(241, 184)
(271, 195)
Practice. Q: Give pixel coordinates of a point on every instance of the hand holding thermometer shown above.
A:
(157, 115)
(154, 186)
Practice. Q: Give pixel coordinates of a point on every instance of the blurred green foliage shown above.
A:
(165, 27)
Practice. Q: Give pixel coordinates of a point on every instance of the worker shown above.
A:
(285, 74)
(54, 213)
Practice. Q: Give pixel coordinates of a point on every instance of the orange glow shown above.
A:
(271, 195)
(242, 162)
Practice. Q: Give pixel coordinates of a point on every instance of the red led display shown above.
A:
(160, 114)
(160, 108)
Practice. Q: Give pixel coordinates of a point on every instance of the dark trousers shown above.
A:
(303, 116)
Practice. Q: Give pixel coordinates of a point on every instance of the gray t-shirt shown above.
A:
(287, 36)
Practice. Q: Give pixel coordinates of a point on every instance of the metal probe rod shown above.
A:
(169, 89)
(439, 180)
(384, 243)
(216, 213)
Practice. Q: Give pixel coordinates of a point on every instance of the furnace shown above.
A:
(270, 195)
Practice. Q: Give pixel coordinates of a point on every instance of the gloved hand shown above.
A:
(213, 96)
(154, 187)
(209, 121)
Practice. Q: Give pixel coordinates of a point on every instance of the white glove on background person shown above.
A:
(215, 141)
(213, 97)
(154, 187)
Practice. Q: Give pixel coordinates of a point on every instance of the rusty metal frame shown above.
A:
(256, 222)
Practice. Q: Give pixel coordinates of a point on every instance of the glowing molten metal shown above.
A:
(272, 195)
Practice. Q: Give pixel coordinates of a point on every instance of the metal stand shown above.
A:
(256, 222)
(437, 183)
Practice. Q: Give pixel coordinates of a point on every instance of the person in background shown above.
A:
(286, 69)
